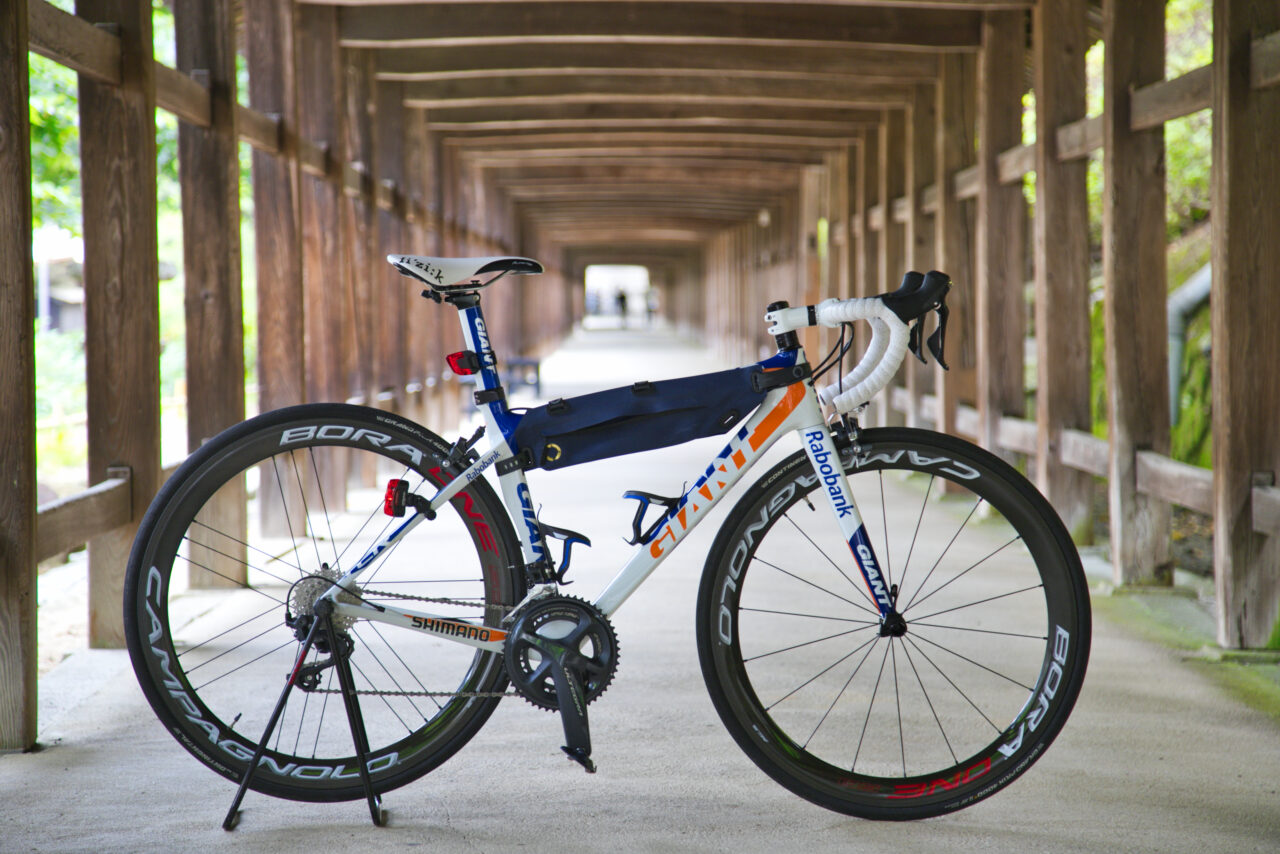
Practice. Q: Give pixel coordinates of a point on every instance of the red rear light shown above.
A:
(393, 503)
(463, 363)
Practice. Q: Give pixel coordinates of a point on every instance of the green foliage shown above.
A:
(55, 145)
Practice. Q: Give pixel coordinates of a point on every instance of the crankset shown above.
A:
(561, 654)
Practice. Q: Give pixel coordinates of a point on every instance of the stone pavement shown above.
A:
(1166, 751)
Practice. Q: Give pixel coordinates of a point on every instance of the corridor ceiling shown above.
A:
(639, 124)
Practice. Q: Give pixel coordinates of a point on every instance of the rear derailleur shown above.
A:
(561, 654)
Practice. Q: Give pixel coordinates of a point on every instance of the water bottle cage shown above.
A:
(645, 499)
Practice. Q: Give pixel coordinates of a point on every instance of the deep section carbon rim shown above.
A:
(865, 722)
(248, 533)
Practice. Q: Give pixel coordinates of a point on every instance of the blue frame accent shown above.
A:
(503, 417)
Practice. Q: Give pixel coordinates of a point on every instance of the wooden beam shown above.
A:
(69, 522)
(1133, 260)
(1157, 103)
(121, 278)
(1085, 452)
(1245, 316)
(1077, 139)
(75, 42)
(1062, 320)
(744, 24)
(209, 170)
(1265, 61)
(617, 88)
(1000, 309)
(1179, 483)
(184, 97)
(18, 636)
(260, 130)
(573, 57)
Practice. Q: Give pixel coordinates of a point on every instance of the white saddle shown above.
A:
(461, 273)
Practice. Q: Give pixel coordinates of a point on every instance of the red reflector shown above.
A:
(393, 504)
(463, 362)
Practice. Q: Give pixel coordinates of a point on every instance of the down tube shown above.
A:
(793, 407)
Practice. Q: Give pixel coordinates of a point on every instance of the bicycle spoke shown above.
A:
(975, 663)
(816, 586)
(810, 616)
(916, 625)
(933, 711)
(875, 691)
(829, 559)
(887, 561)
(961, 574)
(803, 644)
(914, 620)
(950, 682)
(839, 693)
(915, 534)
(938, 562)
(224, 633)
(821, 673)
(897, 699)
(408, 670)
(238, 584)
(243, 585)
(324, 509)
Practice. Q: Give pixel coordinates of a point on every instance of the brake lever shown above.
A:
(938, 340)
(913, 343)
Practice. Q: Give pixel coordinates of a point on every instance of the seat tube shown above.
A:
(825, 459)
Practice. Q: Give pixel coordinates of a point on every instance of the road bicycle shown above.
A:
(327, 601)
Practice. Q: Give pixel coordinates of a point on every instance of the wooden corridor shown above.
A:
(744, 152)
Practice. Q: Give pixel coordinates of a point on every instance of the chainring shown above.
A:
(565, 620)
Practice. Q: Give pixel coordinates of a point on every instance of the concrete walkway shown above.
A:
(1161, 755)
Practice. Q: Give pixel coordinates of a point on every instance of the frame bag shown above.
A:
(640, 417)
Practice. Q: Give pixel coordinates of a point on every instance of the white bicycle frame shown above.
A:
(790, 408)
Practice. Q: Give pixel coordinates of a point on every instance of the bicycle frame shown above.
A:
(785, 409)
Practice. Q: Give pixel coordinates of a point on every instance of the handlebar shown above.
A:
(892, 335)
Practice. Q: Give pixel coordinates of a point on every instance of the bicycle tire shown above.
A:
(884, 727)
(208, 585)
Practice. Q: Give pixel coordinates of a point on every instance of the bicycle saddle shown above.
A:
(457, 274)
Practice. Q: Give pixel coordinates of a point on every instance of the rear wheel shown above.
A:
(241, 541)
(894, 722)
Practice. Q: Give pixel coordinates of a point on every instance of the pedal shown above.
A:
(645, 499)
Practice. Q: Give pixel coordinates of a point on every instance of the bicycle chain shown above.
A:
(365, 595)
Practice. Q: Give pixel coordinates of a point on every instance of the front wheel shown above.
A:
(888, 724)
(237, 548)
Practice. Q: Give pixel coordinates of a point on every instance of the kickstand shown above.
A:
(322, 623)
(358, 735)
(233, 814)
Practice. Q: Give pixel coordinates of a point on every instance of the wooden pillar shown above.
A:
(893, 249)
(320, 90)
(1246, 316)
(362, 357)
(319, 87)
(1000, 325)
(282, 308)
(269, 35)
(957, 111)
(1134, 273)
(17, 395)
(1061, 262)
(394, 296)
(868, 259)
(920, 233)
(209, 169)
(122, 326)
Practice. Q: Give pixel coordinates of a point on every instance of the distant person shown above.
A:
(620, 300)
(651, 305)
